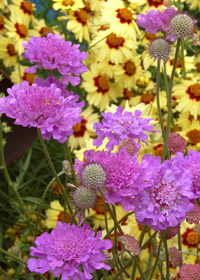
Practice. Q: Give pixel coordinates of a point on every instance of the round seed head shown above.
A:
(159, 49)
(84, 197)
(181, 25)
(93, 176)
(174, 256)
(130, 244)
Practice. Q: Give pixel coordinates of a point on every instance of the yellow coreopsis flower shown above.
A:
(193, 4)
(40, 28)
(7, 51)
(192, 135)
(68, 4)
(19, 75)
(23, 9)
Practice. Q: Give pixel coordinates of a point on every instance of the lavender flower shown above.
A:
(124, 176)
(122, 125)
(166, 197)
(155, 21)
(48, 107)
(66, 248)
(51, 52)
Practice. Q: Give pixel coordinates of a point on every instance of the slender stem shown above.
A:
(5, 274)
(110, 211)
(166, 81)
(42, 200)
(142, 235)
(54, 171)
(73, 216)
(95, 277)
(146, 243)
(139, 267)
(157, 257)
(123, 269)
(152, 241)
(165, 150)
(183, 60)
(180, 245)
(179, 5)
(190, 253)
(13, 257)
(70, 160)
(9, 181)
(99, 41)
(166, 254)
(158, 99)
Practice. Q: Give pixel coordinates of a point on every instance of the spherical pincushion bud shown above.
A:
(131, 245)
(197, 229)
(84, 197)
(174, 256)
(159, 49)
(194, 215)
(93, 176)
(108, 259)
(176, 143)
(129, 145)
(67, 168)
(181, 25)
(190, 272)
(171, 232)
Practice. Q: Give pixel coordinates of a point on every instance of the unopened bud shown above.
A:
(67, 168)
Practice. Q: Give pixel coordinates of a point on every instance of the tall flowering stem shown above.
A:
(66, 148)
(8, 179)
(53, 170)
(165, 150)
(166, 254)
(183, 59)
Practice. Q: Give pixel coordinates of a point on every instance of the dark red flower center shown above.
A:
(79, 129)
(125, 15)
(102, 84)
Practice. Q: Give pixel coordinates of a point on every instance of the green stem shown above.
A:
(146, 243)
(70, 160)
(4, 273)
(123, 269)
(190, 253)
(157, 257)
(99, 41)
(158, 99)
(183, 60)
(9, 181)
(13, 257)
(54, 171)
(180, 245)
(95, 277)
(42, 200)
(73, 216)
(139, 267)
(110, 211)
(142, 235)
(165, 150)
(166, 254)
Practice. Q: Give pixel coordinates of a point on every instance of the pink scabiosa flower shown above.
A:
(156, 20)
(171, 232)
(67, 248)
(49, 108)
(122, 125)
(176, 143)
(190, 272)
(194, 215)
(124, 176)
(51, 52)
(174, 256)
(165, 199)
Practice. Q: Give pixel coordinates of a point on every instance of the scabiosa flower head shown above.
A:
(159, 49)
(181, 26)
(174, 256)
(93, 176)
(51, 52)
(156, 20)
(108, 259)
(67, 248)
(52, 110)
(124, 176)
(129, 145)
(122, 125)
(165, 199)
(84, 197)
(194, 215)
(190, 272)
(176, 143)
(171, 232)
(131, 245)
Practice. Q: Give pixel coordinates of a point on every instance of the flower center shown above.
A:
(45, 30)
(198, 67)
(102, 84)
(27, 7)
(79, 129)
(192, 238)
(87, 7)
(99, 207)
(129, 68)
(29, 77)
(128, 94)
(195, 89)
(56, 189)
(146, 97)
(82, 17)
(150, 36)
(179, 63)
(21, 29)
(11, 49)
(155, 3)
(2, 22)
(159, 150)
(67, 217)
(194, 136)
(114, 42)
(68, 3)
(125, 15)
